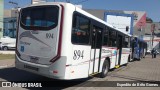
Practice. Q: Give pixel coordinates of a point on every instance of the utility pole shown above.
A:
(140, 29)
(152, 32)
(13, 21)
(15, 7)
(14, 3)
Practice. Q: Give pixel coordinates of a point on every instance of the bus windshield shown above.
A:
(39, 17)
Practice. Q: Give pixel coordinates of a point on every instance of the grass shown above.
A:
(7, 56)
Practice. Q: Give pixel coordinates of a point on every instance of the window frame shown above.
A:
(75, 14)
(106, 29)
(111, 37)
(128, 38)
(38, 27)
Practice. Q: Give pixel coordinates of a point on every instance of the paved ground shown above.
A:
(147, 69)
(6, 63)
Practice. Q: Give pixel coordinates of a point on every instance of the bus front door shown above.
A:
(95, 50)
(119, 49)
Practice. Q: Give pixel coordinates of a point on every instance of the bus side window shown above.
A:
(126, 42)
(105, 39)
(112, 38)
(80, 30)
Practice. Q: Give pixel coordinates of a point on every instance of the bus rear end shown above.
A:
(38, 45)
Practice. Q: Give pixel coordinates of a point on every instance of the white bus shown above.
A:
(62, 41)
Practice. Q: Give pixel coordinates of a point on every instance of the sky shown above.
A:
(151, 7)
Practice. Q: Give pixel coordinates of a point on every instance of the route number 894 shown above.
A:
(78, 54)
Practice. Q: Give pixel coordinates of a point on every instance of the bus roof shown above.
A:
(81, 11)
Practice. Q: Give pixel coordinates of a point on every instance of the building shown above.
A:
(139, 18)
(10, 27)
(152, 38)
(123, 22)
(38, 1)
(10, 23)
(141, 28)
(1, 17)
(10, 20)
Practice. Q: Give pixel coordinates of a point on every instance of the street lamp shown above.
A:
(15, 7)
(152, 32)
(14, 3)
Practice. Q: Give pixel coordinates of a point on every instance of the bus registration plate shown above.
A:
(34, 59)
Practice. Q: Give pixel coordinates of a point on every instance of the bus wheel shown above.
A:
(129, 59)
(139, 59)
(105, 69)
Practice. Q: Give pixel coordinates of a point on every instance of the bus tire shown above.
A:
(105, 69)
(129, 59)
(139, 59)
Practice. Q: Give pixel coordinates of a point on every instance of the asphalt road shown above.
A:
(145, 70)
(12, 74)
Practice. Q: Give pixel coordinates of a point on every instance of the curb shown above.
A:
(6, 66)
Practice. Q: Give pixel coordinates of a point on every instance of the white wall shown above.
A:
(38, 1)
(149, 41)
(119, 22)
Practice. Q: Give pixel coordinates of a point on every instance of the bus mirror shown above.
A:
(127, 28)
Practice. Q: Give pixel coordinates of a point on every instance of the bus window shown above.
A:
(126, 43)
(80, 30)
(96, 37)
(105, 38)
(112, 38)
(39, 17)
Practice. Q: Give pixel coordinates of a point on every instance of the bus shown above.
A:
(139, 48)
(61, 41)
